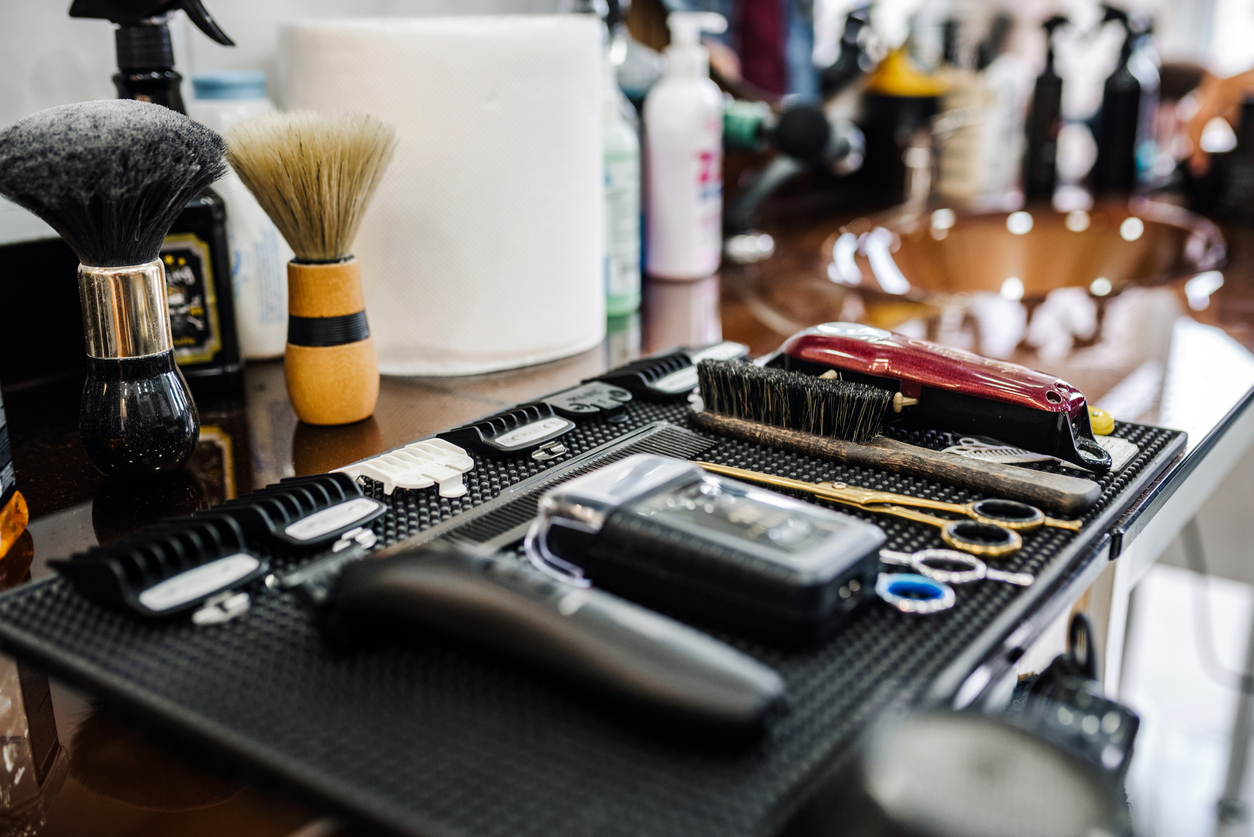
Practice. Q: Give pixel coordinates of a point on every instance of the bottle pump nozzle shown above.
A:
(143, 38)
(685, 54)
(1116, 14)
(1051, 25)
(148, 12)
(145, 50)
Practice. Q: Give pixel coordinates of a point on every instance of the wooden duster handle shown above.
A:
(331, 367)
(1057, 492)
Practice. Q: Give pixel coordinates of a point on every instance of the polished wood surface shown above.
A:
(1154, 354)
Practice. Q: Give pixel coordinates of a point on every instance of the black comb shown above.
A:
(303, 511)
(666, 378)
(168, 568)
(588, 398)
(520, 429)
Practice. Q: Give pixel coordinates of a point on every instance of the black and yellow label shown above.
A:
(194, 325)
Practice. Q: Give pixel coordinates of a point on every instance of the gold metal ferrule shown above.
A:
(125, 313)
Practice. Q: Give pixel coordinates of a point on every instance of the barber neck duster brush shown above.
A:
(111, 177)
(843, 420)
(314, 174)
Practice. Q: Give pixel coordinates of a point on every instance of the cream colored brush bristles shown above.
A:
(313, 174)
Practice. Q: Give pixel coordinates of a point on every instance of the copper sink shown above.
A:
(930, 255)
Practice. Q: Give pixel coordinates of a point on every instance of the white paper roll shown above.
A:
(483, 249)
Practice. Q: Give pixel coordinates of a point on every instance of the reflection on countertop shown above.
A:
(1177, 351)
(33, 762)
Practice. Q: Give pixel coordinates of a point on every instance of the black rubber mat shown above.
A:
(434, 739)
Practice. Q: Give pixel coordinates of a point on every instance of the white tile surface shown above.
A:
(1181, 757)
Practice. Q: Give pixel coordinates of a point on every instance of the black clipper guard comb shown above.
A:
(521, 429)
(662, 378)
(588, 399)
(672, 376)
(304, 512)
(166, 569)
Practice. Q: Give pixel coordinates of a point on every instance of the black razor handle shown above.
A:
(137, 417)
(586, 635)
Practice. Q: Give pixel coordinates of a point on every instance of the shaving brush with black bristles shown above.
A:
(111, 177)
(314, 174)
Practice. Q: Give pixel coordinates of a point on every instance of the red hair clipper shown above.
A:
(948, 389)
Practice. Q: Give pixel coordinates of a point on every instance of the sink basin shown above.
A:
(927, 256)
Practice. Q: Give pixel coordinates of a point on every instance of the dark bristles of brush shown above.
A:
(109, 176)
(824, 407)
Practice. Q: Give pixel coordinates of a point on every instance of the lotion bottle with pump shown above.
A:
(1125, 128)
(683, 117)
(1040, 166)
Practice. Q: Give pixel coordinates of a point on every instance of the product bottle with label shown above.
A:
(259, 255)
(959, 130)
(201, 300)
(197, 263)
(683, 118)
(622, 202)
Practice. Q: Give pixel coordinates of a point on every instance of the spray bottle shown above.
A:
(1040, 169)
(683, 116)
(197, 263)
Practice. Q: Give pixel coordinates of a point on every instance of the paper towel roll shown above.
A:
(483, 249)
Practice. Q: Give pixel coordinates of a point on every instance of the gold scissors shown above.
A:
(992, 531)
(1009, 514)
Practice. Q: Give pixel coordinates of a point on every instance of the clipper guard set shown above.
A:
(178, 565)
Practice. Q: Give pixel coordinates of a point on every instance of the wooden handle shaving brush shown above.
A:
(111, 177)
(314, 174)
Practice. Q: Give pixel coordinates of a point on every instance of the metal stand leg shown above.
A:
(1232, 808)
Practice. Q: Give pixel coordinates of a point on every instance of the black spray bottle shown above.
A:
(1040, 162)
(197, 262)
(1125, 127)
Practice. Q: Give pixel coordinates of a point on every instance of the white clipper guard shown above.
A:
(418, 465)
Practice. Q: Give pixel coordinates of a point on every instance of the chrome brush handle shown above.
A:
(137, 417)
(125, 313)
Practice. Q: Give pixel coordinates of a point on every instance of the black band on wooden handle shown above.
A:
(327, 331)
